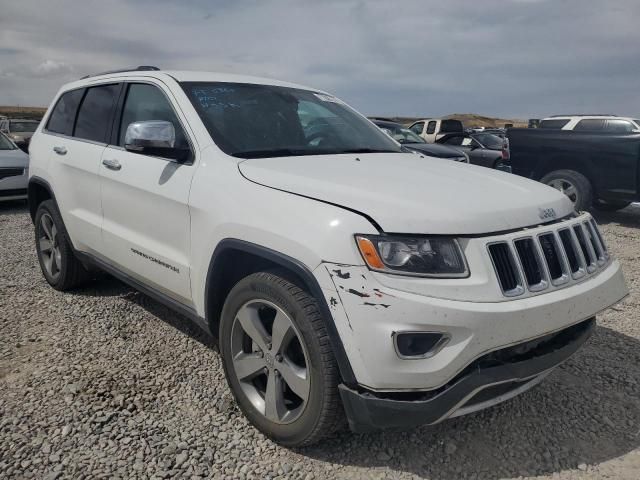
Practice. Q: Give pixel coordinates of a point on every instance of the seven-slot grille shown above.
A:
(548, 259)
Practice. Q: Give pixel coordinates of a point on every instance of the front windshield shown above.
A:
(253, 121)
(403, 135)
(24, 126)
(489, 140)
(6, 144)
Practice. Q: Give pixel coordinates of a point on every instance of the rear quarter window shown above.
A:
(64, 112)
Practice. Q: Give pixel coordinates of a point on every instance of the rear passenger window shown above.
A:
(94, 117)
(590, 124)
(431, 127)
(147, 102)
(553, 124)
(64, 113)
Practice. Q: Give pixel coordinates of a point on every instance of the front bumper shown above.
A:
(491, 379)
(14, 187)
(368, 313)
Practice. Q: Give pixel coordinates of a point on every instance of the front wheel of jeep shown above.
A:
(278, 360)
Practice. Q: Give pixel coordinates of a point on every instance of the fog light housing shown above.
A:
(419, 345)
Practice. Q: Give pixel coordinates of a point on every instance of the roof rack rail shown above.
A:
(140, 68)
(585, 115)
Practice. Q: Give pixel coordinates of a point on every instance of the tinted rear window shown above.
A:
(590, 124)
(553, 124)
(64, 113)
(451, 126)
(94, 117)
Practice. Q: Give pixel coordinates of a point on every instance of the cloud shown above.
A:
(51, 68)
(518, 58)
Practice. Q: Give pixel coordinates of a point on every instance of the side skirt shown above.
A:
(160, 297)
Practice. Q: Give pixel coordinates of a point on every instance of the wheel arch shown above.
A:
(38, 191)
(564, 163)
(234, 259)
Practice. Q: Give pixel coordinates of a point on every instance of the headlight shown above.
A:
(416, 256)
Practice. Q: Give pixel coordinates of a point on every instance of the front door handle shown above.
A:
(60, 150)
(112, 164)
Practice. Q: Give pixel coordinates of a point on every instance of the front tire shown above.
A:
(60, 267)
(278, 360)
(574, 185)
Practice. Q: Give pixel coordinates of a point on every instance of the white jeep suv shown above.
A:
(342, 276)
(591, 123)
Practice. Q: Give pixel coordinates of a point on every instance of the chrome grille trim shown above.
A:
(557, 262)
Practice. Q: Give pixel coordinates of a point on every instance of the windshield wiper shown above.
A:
(276, 152)
(294, 152)
(367, 150)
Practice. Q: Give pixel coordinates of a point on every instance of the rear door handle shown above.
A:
(112, 164)
(60, 150)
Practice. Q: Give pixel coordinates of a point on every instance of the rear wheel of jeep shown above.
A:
(278, 360)
(60, 267)
(574, 185)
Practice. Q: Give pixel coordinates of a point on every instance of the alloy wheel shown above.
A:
(49, 247)
(270, 361)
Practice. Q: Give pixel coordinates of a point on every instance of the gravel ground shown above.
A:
(106, 383)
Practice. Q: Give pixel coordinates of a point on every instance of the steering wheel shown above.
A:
(317, 138)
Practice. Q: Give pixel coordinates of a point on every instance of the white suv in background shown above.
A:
(592, 123)
(341, 275)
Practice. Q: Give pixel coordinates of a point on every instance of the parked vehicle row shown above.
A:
(408, 139)
(342, 273)
(19, 130)
(431, 129)
(594, 169)
(483, 148)
(14, 170)
(591, 123)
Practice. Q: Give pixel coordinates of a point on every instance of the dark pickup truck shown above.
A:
(600, 170)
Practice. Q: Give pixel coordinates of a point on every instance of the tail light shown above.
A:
(506, 155)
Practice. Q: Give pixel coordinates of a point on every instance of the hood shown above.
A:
(434, 150)
(404, 193)
(13, 158)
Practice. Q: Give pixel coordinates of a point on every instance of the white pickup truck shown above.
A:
(342, 275)
(432, 129)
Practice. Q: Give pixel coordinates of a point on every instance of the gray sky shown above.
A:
(513, 58)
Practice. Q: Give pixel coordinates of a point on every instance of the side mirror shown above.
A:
(157, 138)
(150, 135)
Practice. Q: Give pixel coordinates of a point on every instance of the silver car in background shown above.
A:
(14, 170)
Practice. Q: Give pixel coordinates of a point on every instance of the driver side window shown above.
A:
(147, 102)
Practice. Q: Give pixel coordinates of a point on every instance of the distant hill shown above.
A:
(467, 119)
(35, 113)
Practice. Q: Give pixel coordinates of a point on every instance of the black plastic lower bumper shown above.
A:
(516, 365)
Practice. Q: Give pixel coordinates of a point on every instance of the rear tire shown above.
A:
(60, 267)
(574, 185)
(298, 366)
